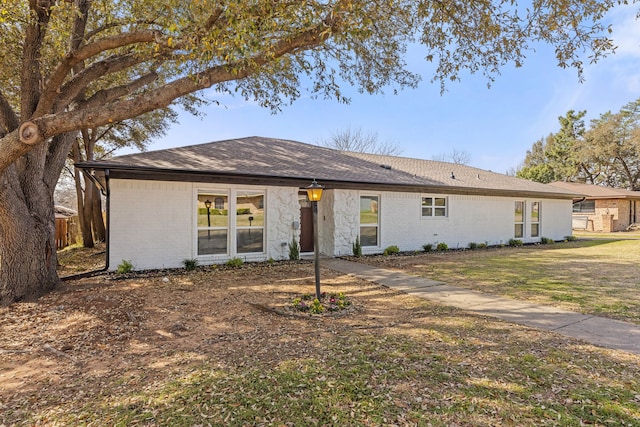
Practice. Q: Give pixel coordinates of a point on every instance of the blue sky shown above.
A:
(494, 125)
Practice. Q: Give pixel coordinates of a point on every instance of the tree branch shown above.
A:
(87, 51)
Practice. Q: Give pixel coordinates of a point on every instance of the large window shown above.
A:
(213, 223)
(535, 219)
(369, 220)
(249, 222)
(434, 206)
(519, 219)
(585, 206)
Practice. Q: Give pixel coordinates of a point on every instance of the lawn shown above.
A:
(203, 348)
(598, 276)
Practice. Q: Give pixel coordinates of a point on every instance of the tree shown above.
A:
(555, 158)
(360, 142)
(612, 148)
(80, 64)
(459, 157)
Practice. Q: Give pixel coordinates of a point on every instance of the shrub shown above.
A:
(442, 246)
(294, 250)
(391, 250)
(570, 238)
(547, 241)
(243, 211)
(473, 245)
(515, 242)
(427, 247)
(483, 245)
(124, 267)
(234, 262)
(190, 264)
(357, 247)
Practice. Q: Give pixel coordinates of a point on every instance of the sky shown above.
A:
(495, 125)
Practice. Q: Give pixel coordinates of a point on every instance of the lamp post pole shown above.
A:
(314, 193)
(316, 249)
(207, 204)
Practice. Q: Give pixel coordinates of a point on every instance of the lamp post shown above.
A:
(207, 204)
(314, 194)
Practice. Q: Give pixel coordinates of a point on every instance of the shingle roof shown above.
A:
(456, 175)
(266, 157)
(270, 159)
(596, 191)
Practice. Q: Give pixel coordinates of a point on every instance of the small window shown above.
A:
(434, 206)
(519, 219)
(535, 219)
(585, 206)
(369, 221)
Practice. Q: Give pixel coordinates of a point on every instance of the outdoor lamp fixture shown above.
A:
(314, 191)
(314, 194)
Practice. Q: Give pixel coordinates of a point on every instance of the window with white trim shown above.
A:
(535, 219)
(249, 222)
(369, 220)
(519, 219)
(433, 206)
(213, 223)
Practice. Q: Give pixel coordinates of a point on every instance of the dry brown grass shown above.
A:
(176, 348)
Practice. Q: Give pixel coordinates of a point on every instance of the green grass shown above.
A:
(599, 277)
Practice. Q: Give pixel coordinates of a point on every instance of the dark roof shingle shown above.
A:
(292, 161)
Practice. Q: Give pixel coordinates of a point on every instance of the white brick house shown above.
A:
(169, 205)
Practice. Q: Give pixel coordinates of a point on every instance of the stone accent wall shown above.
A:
(338, 222)
(282, 210)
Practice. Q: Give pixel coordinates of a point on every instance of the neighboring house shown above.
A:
(245, 198)
(602, 208)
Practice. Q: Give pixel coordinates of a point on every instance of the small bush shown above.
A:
(570, 238)
(473, 245)
(332, 302)
(243, 211)
(294, 250)
(483, 245)
(124, 267)
(547, 241)
(190, 264)
(391, 250)
(427, 247)
(515, 242)
(442, 246)
(357, 247)
(234, 262)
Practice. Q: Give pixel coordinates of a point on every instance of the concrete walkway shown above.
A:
(595, 330)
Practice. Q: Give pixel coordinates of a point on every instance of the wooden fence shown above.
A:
(67, 231)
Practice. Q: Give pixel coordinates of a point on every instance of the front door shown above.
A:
(306, 229)
(306, 224)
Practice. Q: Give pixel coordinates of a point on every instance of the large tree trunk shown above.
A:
(28, 258)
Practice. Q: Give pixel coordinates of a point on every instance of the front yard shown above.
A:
(597, 276)
(199, 348)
